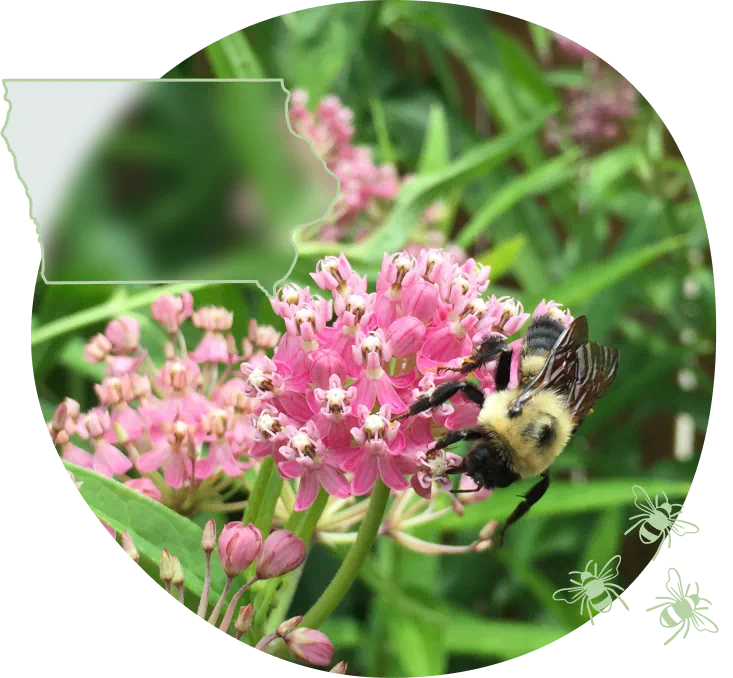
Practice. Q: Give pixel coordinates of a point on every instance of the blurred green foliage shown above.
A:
(617, 235)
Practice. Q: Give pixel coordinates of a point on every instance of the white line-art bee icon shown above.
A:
(594, 589)
(658, 521)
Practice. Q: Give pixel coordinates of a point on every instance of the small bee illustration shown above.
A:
(594, 590)
(658, 520)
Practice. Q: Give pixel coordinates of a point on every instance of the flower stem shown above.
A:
(217, 610)
(233, 604)
(349, 570)
(267, 468)
(204, 602)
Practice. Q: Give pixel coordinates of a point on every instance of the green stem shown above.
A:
(349, 570)
(258, 491)
(263, 520)
(118, 304)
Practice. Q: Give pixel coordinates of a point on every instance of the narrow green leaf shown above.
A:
(416, 195)
(607, 169)
(542, 40)
(586, 283)
(232, 57)
(435, 153)
(542, 179)
(605, 537)
(564, 499)
(502, 257)
(386, 151)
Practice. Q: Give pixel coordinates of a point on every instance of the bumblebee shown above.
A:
(521, 431)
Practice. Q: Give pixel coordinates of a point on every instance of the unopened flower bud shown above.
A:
(288, 626)
(239, 545)
(97, 349)
(166, 567)
(339, 668)
(310, 645)
(178, 576)
(282, 552)
(124, 333)
(243, 623)
(129, 546)
(208, 539)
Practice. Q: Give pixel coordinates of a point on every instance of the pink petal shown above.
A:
(388, 396)
(109, 461)
(76, 455)
(153, 460)
(307, 491)
(365, 475)
(206, 467)
(366, 393)
(334, 482)
(390, 473)
(175, 470)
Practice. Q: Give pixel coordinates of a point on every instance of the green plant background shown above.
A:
(459, 96)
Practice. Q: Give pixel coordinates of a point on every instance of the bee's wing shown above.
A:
(642, 500)
(569, 595)
(610, 569)
(579, 369)
(674, 584)
(702, 623)
(682, 527)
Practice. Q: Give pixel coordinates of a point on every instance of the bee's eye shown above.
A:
(546, 436)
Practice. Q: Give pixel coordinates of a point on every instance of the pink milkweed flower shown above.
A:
(216, 427)
(116, 393)
(381, 442)
(336, 274)
(179, 378)
(513, 316)
(263, 378)
(333, 412)
(124, 334)
(374, 384)
(288, 298)
(326, 364)
(172, 453)
(262, 336)
(420, 300)
(267, 432)
(432, 467)
(554, 310)
(146, 487)
(398, 272)
(213, 347)
(239, 545)
(108, 460)
(305, 457)
(282, 552)
(310, 645)
(171, 312)
(405, 335)
(97, 349)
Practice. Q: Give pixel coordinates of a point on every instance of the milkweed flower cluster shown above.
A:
(596, 112)
(318, 399)
(367, 190)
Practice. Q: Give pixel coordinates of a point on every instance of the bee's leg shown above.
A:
(442, 394)
(457, 436)
(486, 351)
(530, 499)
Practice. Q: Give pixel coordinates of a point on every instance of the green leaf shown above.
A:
(542, 179)
(72, 357)
(502, 257)
(416, 195)
(435, 153)
(542, 40)
(563, 498)
(607, 169)
(567, 78)
(586, 283)
(419, 648)
(118, 304)
(605, 537)
(386, 151)
(151, 525)
(232, 57)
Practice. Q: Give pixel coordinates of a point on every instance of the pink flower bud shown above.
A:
(166, 566)
(129, 546)
(282, 552)
(146, 487)
(406, 335)
(420, 300)
(339, 668)
(171, 311)
(239, 545)
(326, 364)
(243, 623)
(310, 645)
(288, 626)
(124, 333)
(97, 349)
(208, 538)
